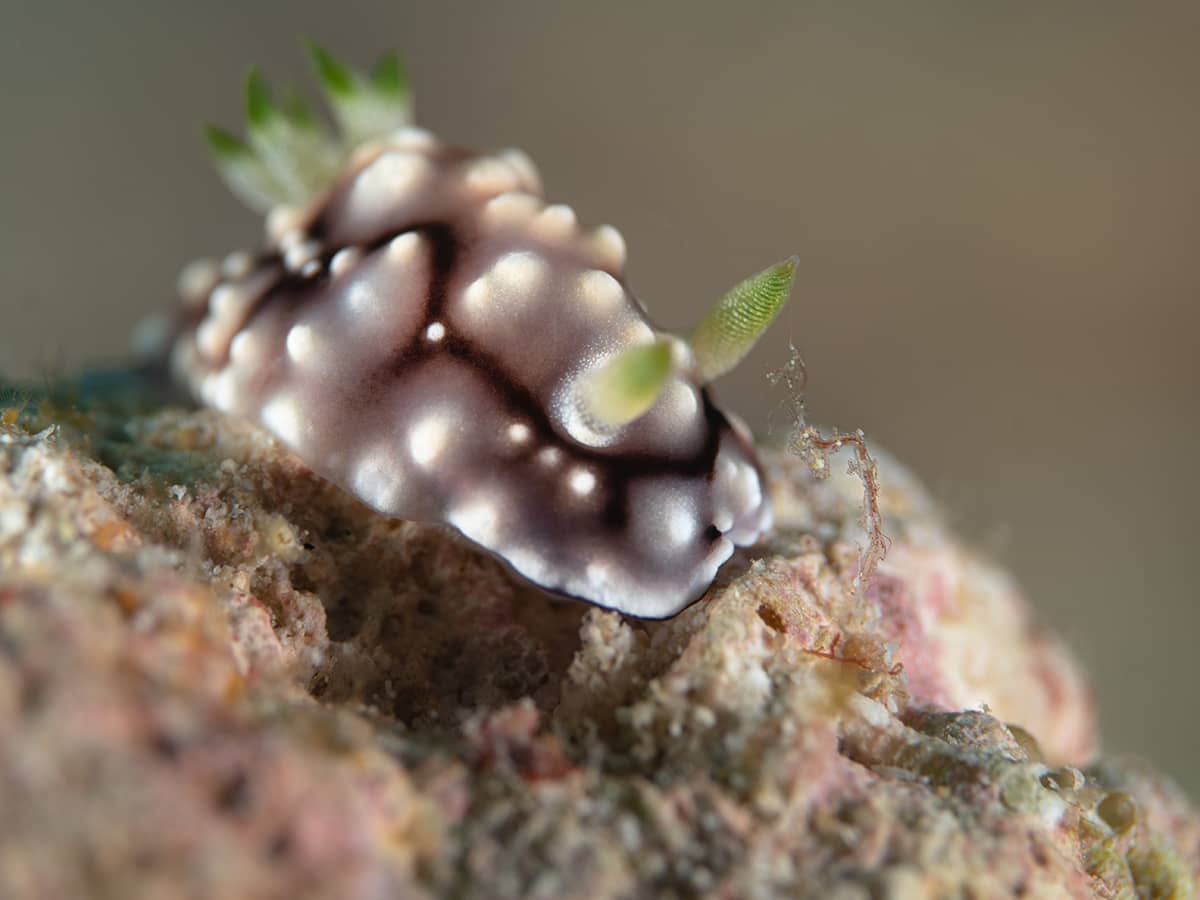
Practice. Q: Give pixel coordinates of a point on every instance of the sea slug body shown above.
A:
(426, 332)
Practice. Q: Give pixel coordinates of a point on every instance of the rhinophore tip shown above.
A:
(739, 319)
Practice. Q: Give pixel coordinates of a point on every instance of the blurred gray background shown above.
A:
(996, 207)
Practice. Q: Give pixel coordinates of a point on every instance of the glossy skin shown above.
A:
(419, 334)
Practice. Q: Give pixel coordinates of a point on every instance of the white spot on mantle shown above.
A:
(519, 269)
(402, 248)
(282, 416)
(344, 260)
(479, 520)
(428, 439)
(301, 343)
(582, 482)
(611, 245)
(490, 176)
(246, 349)
(601, 291)
(392, 172)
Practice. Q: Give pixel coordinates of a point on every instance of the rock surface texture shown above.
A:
(221, 676)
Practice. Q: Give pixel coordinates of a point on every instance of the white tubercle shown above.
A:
(300, 254)
(402, 249)
(489, 176)
(600, 291)
(301, 343)
(428, 438)
(237, 265)
(391, 173)
(510, 209)
(611, 245)
(379, 478)
(197, 280)
(411, 137)
(246, 350)
(556, 221)
(518, 270)
(344, 260)
(283, 416)
(282, 220)
(582, 482)
(526, 171)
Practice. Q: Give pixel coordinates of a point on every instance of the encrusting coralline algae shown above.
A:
(223, 676)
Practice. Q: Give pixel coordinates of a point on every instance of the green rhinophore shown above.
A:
(739, 318)
(627, 386)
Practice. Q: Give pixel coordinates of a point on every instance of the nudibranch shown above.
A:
(424, 331)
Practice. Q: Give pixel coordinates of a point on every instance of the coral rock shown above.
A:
(222, 676)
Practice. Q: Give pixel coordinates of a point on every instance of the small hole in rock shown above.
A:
(280, 845)
(234, 795)
(343, 619)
